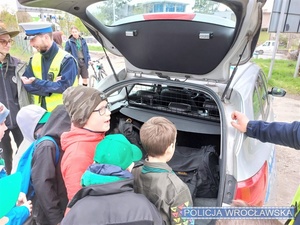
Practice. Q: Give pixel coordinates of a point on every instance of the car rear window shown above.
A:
(116, 12)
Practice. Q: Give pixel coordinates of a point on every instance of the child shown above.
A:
(107, 196)
(50, 195)
(10, 187)
(90, 117)
(156, 179)
(3, 114)
(30, 119)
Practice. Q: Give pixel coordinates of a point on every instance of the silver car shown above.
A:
(189, 62)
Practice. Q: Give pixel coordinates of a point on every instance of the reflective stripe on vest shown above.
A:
(296, 204)
(36, 63)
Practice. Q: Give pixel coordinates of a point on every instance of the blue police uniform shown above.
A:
(45, 85)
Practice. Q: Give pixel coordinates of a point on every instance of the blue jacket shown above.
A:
(287, 134)
(17, 215)
(71, 48)
(68, 71)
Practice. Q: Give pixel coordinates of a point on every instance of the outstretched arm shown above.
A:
(240, 121)
(287, 134)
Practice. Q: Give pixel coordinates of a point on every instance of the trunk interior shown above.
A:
(195, 115)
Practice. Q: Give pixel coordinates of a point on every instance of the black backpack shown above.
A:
(198, 168)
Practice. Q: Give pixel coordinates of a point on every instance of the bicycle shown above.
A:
(99, 74)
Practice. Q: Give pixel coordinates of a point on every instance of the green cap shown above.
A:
(116, 150)
(10, 187)
(45, 118)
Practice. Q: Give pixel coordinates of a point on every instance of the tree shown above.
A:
(65, 22)
(205, 6)
(81, 27)
(110, 11)
(9, 19)
(23, 17)
(68, 20)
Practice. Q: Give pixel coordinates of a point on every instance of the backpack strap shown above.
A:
(44, 138)
(24, 166)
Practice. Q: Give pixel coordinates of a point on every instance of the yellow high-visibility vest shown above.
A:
(296, 204)
(36, 63)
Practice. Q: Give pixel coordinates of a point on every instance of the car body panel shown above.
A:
(209, 47)
(201, 54)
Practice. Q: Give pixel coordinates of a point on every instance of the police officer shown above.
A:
(51, 70)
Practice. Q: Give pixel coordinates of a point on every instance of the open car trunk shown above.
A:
(195, 114)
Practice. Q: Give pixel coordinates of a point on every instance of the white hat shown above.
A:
(34, 28)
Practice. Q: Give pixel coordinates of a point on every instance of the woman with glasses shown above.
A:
(12, 93)
(90, 116)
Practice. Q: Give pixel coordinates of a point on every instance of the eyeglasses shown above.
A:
(103, 109)
(5, 42)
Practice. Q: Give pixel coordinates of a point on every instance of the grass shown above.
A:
(25, 55)
(20, 53)
(95, 48)
(282, 74)
(263, 36)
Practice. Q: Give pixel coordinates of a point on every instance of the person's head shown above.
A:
(39, 34)
(75, 32)
(6, 40)
(87, 108)
(57, 38)
(116, 150)
(241, 203)
(3, 114)
(31, 119)
(158, 137)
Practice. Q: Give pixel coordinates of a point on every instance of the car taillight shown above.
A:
(169, 16)
(253, 190)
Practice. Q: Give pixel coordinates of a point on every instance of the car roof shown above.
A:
(183, 40)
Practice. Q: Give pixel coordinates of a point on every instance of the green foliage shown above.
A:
(109, 11)
(24, 17)
(9, 20)
(25, 56)
(205, 6)
(19, 53)
(83, 30)
(282, 74)
(264, 36)
(96, 48)
(66, 23)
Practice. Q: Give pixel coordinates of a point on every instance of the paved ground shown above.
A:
(118, 62)
(287, 109)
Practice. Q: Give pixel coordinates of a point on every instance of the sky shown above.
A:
(11, 4)
(268, 5)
